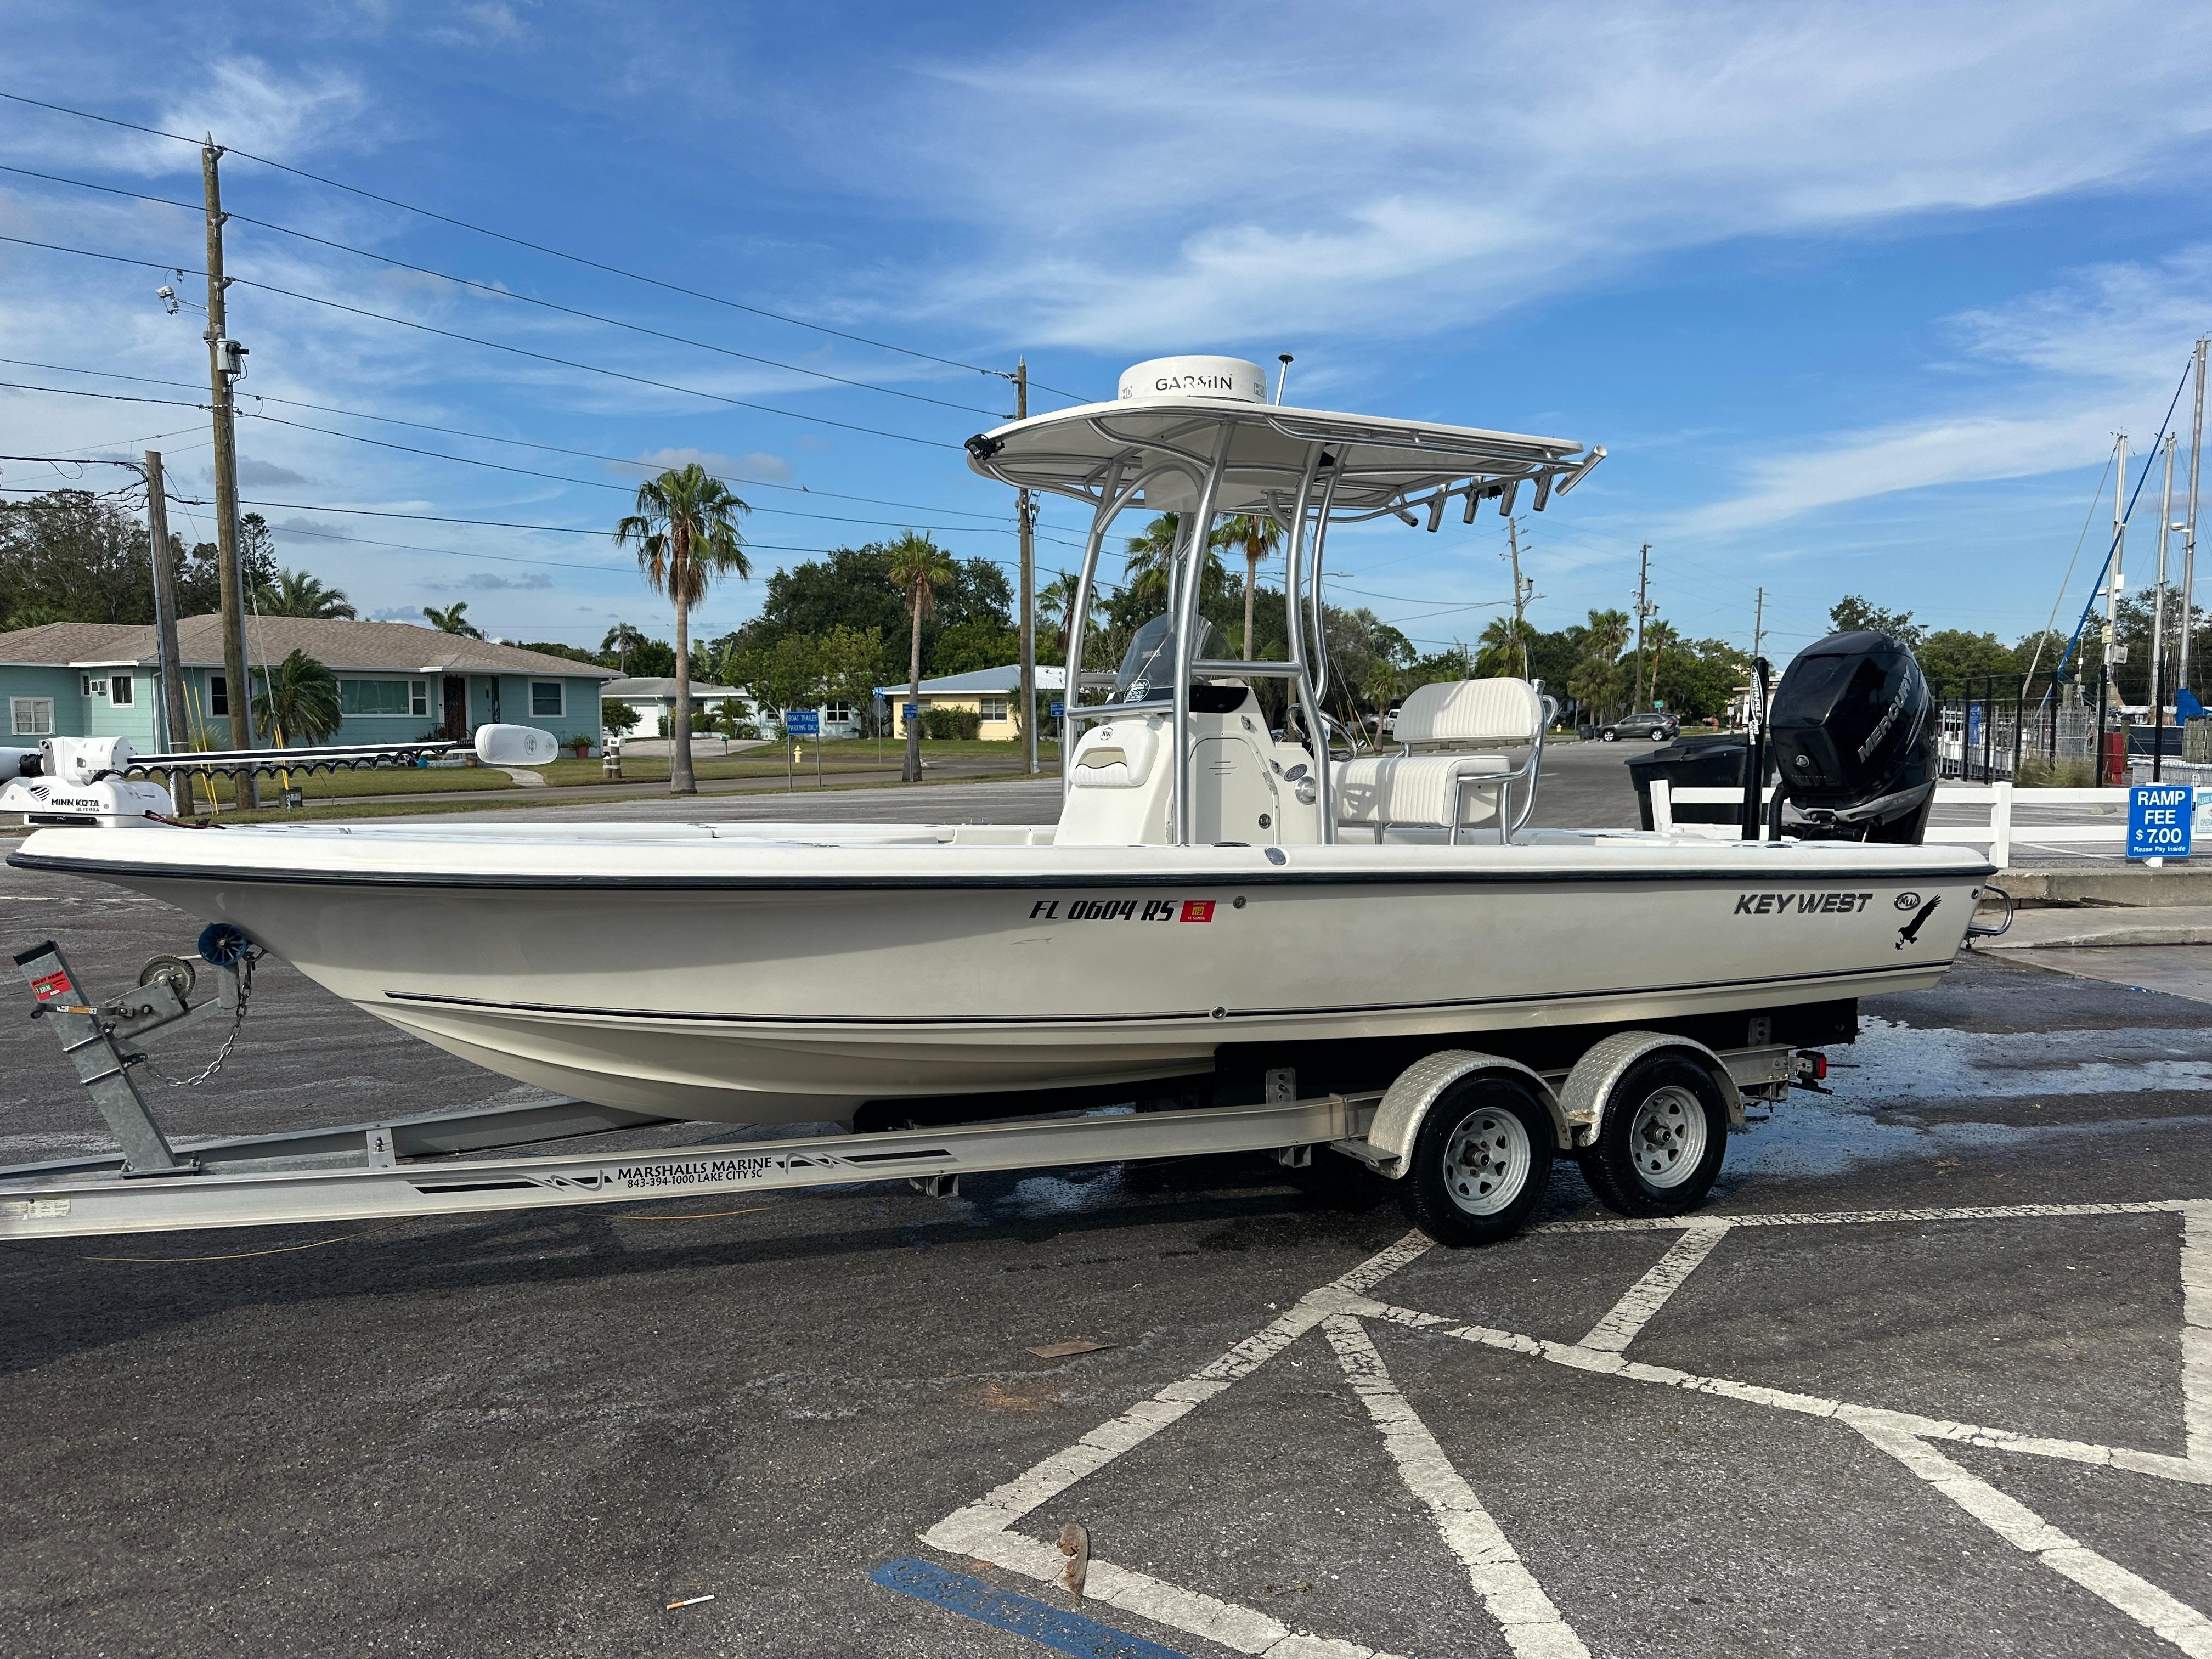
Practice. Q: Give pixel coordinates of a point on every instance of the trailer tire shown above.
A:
(1661, 1142)
(1480, 1162)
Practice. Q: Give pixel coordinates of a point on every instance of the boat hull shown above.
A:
(758, 982)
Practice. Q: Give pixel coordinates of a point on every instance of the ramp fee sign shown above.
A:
(2160, 820)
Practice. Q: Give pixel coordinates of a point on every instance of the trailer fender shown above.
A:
(1404, 1106)
(1588, 1091)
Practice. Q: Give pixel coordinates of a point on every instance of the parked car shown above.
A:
(1657, 723)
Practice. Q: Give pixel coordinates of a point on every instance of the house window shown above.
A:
(218, 695)
(994, 709)
(31, 717)
(382, 697)
(549, 697)
(836, 711)
(120, 690)
(95, 688)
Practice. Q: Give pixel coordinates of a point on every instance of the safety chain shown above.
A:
(238, 1023)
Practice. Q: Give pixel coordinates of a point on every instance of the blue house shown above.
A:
(396, 682)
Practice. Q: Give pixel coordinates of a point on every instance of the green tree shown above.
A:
(1852, 614)
(452, 619)
(299, 699)
(70, 556)
(685, 533)
(973, 645)
(1255, 535)
(918, 567)
(1597, 683)
(1658, 635)
(1505, 647)
(614, 650)
(296, 593)
(1952, 657)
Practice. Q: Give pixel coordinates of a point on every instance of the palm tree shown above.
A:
(299, 699)
(1658, 635)
(454, 619)
(1505, 647)
(296, 593)
(685, 530)
(1058, 596)
(1150, 564)
(919, 568)
(1597, 681)
(1255, 535)
(621, 638)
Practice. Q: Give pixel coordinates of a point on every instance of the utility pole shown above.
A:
(2188, 537)
(2108, 684)
(1026, 506)
(1522, 588)
(177, 733)
(1758, 625)
(1642, 609)
(224, 363)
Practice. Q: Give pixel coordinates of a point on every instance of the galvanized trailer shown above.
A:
(1470, 1135)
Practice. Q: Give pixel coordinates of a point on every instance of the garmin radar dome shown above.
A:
(1231, 379)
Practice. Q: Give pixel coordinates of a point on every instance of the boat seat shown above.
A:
(1465, 745)
(1382, 790)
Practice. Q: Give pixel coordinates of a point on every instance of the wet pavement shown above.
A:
(1932, 1372)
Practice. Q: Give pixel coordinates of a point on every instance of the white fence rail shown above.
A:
(2103, 823)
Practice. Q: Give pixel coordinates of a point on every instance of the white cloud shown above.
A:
(2059, 372)
(1198, 180)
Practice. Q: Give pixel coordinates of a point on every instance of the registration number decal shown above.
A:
(1129, 910)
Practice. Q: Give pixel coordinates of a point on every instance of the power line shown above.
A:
(555, 478)
(448, 431)
(539, 247)
(493, 345)
(494, 290)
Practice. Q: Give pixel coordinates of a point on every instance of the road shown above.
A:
(1941, 1383)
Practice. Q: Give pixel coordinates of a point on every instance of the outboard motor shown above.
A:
(1853, 732)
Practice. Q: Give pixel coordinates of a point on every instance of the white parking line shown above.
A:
(2022, 1527)
(1531, 1624)
(2196, 1330)
(1648, 1294)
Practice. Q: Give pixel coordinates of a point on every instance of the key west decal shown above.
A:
(1801, 904)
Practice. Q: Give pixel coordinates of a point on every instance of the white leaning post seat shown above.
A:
(1457, 769)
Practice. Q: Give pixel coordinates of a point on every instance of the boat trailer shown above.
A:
(422, 1165)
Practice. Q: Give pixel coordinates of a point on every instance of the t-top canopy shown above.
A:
(1177, 411)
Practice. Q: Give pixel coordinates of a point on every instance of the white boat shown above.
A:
(1213, 903)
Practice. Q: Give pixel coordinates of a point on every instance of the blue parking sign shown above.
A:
(803, 722)
(1059, 710)
(2160, 820)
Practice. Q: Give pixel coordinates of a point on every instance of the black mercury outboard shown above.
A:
(1853, 734)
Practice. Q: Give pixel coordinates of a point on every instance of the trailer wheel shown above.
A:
(1661, 1144)
(1480, 1162)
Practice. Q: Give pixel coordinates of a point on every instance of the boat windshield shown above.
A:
(1148, 670)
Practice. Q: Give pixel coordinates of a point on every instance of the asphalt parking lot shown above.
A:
(1932, 1373)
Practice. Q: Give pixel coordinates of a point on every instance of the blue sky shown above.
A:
(1856, 296)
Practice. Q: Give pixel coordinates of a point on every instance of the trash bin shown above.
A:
(1707, 763)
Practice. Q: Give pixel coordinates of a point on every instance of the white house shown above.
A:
(654, 699)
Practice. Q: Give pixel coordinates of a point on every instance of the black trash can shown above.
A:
(1707, 763)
